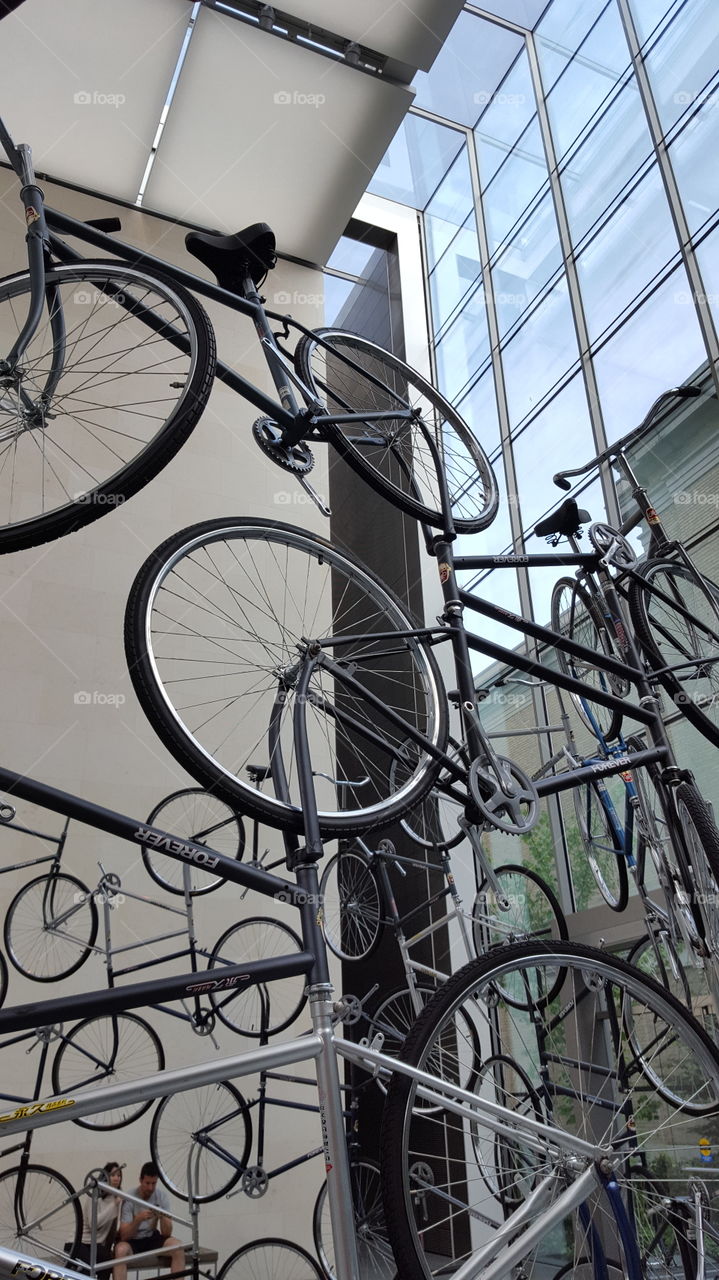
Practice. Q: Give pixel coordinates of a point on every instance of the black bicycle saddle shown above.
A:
(565, 521)
(231, 258)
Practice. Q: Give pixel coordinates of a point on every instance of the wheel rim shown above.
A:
(247, 1011)
(351, 906)
(50, 927)
(108, 1051)
(199, 816)
(680, 641)
(194, 1111)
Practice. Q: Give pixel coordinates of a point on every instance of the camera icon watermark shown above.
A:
(98, 698)
(96, 98)
(287, 98)
(97, 297)
(103, 899)
(283, 298)
(298, 897)
(295, 498)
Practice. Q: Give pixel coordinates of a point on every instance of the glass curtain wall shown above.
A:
(561, 160)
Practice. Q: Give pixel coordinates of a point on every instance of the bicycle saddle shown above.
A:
(565, 521)
(231, 258)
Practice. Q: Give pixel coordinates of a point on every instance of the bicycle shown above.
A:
(504, 992)
(135, 322)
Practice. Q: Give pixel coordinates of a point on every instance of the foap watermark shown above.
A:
(97, 297)
(294, 98)
(484, 96)
(686, 298)
(298, 896)
(295, 498)
(100, 499)
(695, 498)
(109, 899)
(283, 298)
(97, 98)
(98, 698)
(685, 97)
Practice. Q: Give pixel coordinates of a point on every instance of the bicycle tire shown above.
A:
(193, 814)
(403, 470)
(604, 855)
(258, 938)
(432, 823)
(532, 913)
(394, 1018)
(375, 1256)
(3, 978)
(669, 639)
(429, 1231)
(702, 842)
(93, 454)
(575, 616)
(105, 1050)
(270, 1259)
(27, 942)
(509, 1171)
(42, 1191)
(218, 1109)
(352, 922)
(243, 575)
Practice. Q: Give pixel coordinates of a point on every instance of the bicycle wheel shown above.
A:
(270, 1259)
(136, 375)
(394, 1019)
(352, 906)
(393, 455)
(575, 616)
(509, 1167)
(37, 1214)
(103, 1051)
(438, 1208)
(264, 1008)
(526, 909)
(50, 927)
(604, 854)
(702, 842)
(214, 627)
(3, 978)
(193, 814)
(432, 823)
(376, 1261)
(214, 1122)
(684, 651)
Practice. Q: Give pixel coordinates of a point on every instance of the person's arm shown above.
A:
(129, 1226)
(163, 1218)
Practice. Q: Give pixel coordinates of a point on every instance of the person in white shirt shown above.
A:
(144, 1230)
(107, 1219)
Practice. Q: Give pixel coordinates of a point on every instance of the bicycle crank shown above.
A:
(297, 458)
(254, 1181)
(505, 796)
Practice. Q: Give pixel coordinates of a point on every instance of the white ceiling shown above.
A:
(260, 129)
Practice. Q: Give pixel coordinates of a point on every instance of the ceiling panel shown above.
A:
(411, 31)
(262, 130)
(101, 72)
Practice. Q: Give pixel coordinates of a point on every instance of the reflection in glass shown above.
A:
(448, 209)
(455, 274)
(479, 410)
(416, 161)
(464, 348)
(505, 118)
(529, 261)
(587, 79)
(522, 175)
(630, 250)
(659, 347)
(467, 69)
(683, 62)
(698, 181)
(558, 439)
(540, 353)
(708, 256)
(561, 31)
(648, 14)
(352, 256)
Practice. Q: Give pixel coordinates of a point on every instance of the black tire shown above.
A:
(533, 911)
(702, 844)
(395, 1017)
(270, 1259)
(220, 1112)
(3, 978)
(258, 587)
(509, 1168)
(194, 814)
(111, 1049)
(39, 949)
(100, 445)
(374, 1252)
(402, 469)
(433, 1195)
(264, 1008)
(575, 616)
(602, 849)
(33, 1194)
(352, 921)
(668, 639)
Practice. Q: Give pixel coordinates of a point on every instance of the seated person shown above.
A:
(145, 1230)
(106, 1222)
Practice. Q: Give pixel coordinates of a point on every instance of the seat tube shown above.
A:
(453, 616)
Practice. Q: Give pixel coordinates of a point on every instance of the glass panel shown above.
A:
(541, 581)
(698, 181)
(524, 12)
(637, 243)
(337, 296)
(648, 14)
(559, 438)
(505, 118)
(708, 257)
(586, 81)
(499, 588)
(659, 347)
(685, 59)
(561, 31)
(352, 256)
(468, 69)
(538, 355)
(463, 349)
(455, 274)
(527, 264)
(448, 209)
(419, 155)
(514, 187)
(479, 411)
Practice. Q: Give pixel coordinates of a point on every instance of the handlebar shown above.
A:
(683, 393)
